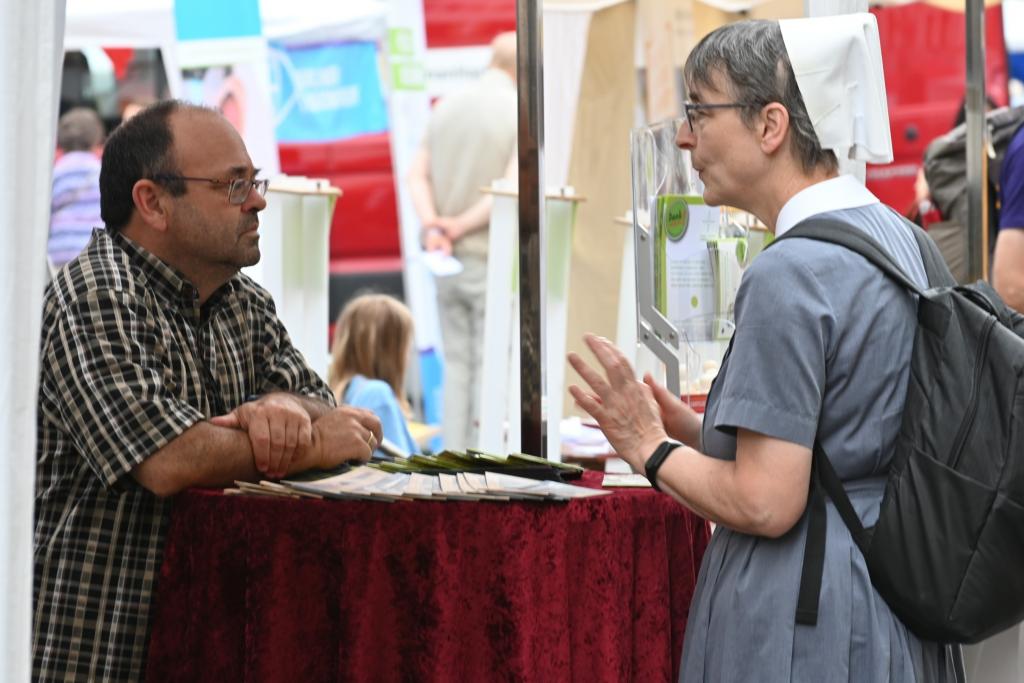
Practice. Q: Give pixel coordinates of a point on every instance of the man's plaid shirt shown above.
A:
(129, 361)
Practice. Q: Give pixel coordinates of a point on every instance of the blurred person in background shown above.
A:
(75, 201)
(1008, 259)
(372, 342)
(923, 211)
(132, 106)
(470, 141)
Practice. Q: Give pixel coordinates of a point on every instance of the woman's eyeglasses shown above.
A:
(695, 109)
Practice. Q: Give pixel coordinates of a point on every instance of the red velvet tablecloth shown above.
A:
(268, 589)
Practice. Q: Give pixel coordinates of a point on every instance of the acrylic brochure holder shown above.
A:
(687, 266)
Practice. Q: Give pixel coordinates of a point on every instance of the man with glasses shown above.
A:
(162, 367)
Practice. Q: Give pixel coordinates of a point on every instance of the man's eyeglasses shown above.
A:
(695, 109)
(238, 189)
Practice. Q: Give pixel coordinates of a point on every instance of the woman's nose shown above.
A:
(685, 139)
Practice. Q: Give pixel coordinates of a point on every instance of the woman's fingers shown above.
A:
(591, 376)
(614, 362)
(589, 403)
(662, 395)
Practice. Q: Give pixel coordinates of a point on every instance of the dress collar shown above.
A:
(834, 194)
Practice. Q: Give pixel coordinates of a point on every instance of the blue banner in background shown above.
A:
(326, 92)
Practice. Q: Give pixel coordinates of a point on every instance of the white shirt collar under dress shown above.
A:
(834, 194)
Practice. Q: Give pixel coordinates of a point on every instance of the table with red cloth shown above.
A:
(276, 589)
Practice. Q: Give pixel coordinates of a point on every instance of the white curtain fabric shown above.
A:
(31, 44)
(565, 48)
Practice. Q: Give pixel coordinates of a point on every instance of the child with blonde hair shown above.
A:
(369, 354)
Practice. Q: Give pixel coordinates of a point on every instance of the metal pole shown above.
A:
(977, 136)
(529, 76)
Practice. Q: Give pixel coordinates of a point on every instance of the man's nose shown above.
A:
(254, 201)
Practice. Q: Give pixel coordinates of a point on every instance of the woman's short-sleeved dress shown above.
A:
(822, 346)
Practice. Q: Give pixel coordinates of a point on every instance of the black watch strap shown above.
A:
(657, 459)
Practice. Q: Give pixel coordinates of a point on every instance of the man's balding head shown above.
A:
(503, 52)
(142, 147)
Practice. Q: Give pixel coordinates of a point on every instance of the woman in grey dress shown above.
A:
(821, 349)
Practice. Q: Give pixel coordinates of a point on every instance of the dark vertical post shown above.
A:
(977, 138)
(529, 76)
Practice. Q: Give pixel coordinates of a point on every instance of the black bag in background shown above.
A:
(945, 169)
(947, 551)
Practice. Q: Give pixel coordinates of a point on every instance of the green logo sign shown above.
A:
(674, 216)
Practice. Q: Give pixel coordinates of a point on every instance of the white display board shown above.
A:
(499, 404)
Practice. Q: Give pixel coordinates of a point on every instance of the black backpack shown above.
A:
(947, 551)
(945, 169)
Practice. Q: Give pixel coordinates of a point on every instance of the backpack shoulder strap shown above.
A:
(845, 235)
(824, 481)
(934, 265)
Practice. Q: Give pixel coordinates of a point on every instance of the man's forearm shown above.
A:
(1008, 267)
(420, 191)
(203, 455)
(475, 218)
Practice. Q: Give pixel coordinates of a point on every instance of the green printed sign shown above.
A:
(400, 42)
(673, 216)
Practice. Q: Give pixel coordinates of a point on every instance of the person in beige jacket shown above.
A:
(470, 141)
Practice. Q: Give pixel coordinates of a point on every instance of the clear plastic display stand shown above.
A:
(690, 259)
(683, 291)
(294, 244)
(499, 404)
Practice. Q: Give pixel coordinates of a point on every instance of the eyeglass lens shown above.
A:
(240, 187)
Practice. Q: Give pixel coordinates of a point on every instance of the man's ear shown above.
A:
(151, 204)
(774, 127)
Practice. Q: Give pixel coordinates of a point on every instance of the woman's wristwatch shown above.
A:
(657, 459)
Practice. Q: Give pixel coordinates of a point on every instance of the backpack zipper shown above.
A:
(968, 420)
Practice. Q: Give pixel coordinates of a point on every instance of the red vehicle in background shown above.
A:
(923, 54)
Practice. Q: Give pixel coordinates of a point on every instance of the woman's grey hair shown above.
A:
(752, 56)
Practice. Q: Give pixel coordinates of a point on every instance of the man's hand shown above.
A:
(452, 228)
(436, 239)
(277, 425)
(341, 435)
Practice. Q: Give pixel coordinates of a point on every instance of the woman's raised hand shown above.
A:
(625, 408)
(679, 419)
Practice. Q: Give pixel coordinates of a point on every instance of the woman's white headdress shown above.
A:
(837, 61)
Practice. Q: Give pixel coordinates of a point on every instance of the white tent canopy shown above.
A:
(150, 23)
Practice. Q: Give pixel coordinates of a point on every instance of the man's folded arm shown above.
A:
(202, 455)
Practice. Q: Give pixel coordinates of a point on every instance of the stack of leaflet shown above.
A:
(519, 464)
(372, 482)
(450, 475)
